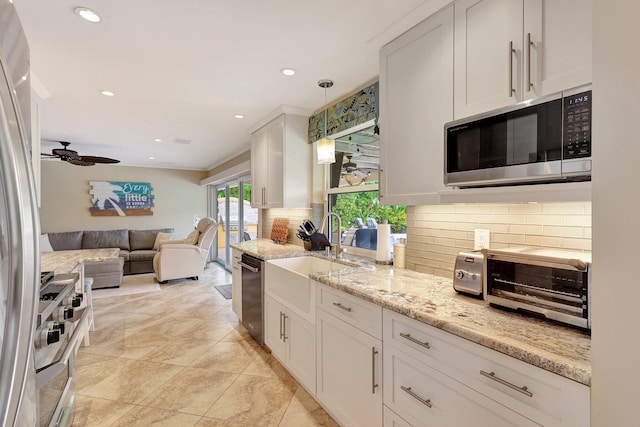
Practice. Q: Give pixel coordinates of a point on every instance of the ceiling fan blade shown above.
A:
(65, 153)
(80, 162)
(48, 155)
(97, 159)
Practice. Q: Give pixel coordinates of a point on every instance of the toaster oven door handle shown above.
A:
(47, 373)
(524, 390)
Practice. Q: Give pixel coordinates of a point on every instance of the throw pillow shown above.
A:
(159, 238)
(45, 244)
(192, 238)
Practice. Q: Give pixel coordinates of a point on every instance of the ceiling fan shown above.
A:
(72, 156)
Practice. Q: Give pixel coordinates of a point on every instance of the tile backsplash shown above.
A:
(435, 234)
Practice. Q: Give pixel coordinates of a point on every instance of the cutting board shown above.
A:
(280, 230)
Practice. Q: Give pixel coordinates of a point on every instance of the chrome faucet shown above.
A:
(337, 245)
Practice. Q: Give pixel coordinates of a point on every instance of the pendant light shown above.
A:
(326, 146)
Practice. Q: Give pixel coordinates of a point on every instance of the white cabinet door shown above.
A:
(292, 341)
(274, 313)
(558, 55)
(349, 372)
(259, 165)
(391, 419)
(300, 346)
(236, 282)
(488, 55)
(275, 161)
(416, 100)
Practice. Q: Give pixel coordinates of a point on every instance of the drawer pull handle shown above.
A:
(412, 339)
(374, 385)
(524, 390)
(413, 394)
(339, 305)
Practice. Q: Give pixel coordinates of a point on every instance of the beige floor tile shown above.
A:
(200, 311)
(94, 412)
(267, 366)
(213, 422)
(189, 327)
(253, 400)
(227, 356)
(305, 411)
(115, 320)
(142, 416)
(115, 378)
(193, 391)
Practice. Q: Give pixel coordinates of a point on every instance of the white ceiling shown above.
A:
(182, 69)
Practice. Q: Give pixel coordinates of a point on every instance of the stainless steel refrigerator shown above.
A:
(19, 229)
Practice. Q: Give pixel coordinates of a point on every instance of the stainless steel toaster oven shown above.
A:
(555, 284)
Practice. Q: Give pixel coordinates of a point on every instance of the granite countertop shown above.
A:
(563, 350)
(65, 261)
(266, 249)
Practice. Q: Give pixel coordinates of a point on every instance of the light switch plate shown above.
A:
(481, 239)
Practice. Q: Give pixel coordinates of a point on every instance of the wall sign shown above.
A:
(121, 198)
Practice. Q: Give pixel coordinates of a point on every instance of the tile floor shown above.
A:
(179, 357)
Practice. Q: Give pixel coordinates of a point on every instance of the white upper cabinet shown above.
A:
(558, 55)
(511, 50)
(416, 99)
(280, 164)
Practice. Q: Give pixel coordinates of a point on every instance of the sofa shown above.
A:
(136, 252)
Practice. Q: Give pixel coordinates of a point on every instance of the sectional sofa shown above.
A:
(136, 252)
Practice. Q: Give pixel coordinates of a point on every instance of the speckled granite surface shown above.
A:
(431, 299)
(64, 261)
(265, 249)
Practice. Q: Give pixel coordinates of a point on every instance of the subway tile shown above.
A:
(507, 238)
(509, 219)
(545, 241)
(577, 244)
(525, 208)
(577, 220)
(553, 219)
(552, 230)
(567, 208)
(525, 229)
(587, 232)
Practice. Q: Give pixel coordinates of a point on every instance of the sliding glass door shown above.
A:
(237, 220)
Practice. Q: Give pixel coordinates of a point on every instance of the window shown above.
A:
(353, 193)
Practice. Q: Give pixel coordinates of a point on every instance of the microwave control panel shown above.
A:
(577, 126)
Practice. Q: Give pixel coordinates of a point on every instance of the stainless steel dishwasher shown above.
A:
(253, 296)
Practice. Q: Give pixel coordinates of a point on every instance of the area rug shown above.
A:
(133, 284)
(225, 290)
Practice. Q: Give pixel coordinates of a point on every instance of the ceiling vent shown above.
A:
(182, 141)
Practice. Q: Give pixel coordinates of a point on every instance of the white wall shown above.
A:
(66, 199)
(616, 219)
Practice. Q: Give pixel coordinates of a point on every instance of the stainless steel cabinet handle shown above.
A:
(413, 394)
(284, 327)
(281, 328)
(249, 267)
(264, 196)
(412, 339)
(529, 44)
(373, 370)
(522, 389)
(511, 52)
(339, 305)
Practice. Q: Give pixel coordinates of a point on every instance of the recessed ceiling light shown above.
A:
(88, 14)
(107, 93)
(239, 116)
(157, 140)
(151, 158)
(288, 71)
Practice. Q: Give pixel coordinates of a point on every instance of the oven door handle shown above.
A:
(249, 267)
(49, 372)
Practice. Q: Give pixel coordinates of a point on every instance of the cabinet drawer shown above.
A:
(425, 396)
(542, 396)
(362, 314)
(391, 419)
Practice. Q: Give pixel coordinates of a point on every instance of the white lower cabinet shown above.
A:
(292, 341)
(236, 282)
(426, 397)
(349, 367)
(511, 392)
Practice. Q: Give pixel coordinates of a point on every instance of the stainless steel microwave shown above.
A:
(542, 140)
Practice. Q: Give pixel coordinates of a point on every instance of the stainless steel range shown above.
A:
(58, 334)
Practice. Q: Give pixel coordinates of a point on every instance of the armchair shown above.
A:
(177, 259)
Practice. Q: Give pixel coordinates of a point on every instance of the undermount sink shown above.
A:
(306, 265)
